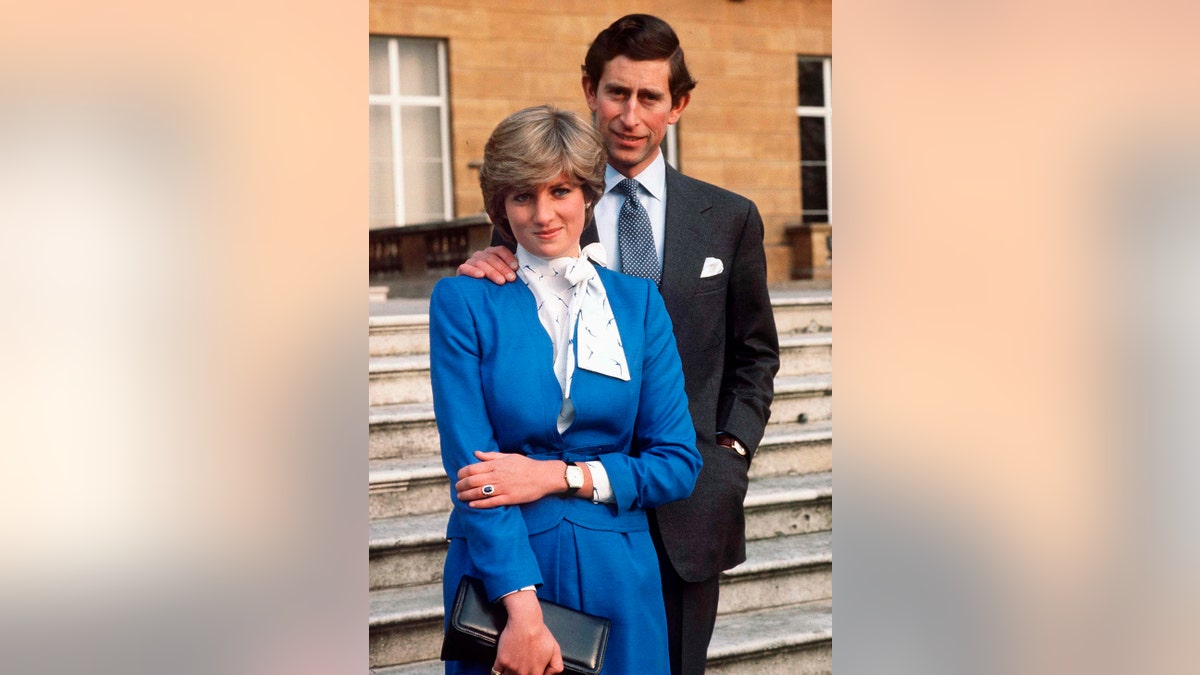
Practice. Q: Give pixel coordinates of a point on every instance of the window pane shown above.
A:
(420, 127)
(379, 65)
(815, 194)
(383, 201)
(419, 68)
(670, 145)
(812, 139)
(423, 193)
(812, 86)
(421, 131)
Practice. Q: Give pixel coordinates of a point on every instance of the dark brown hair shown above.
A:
(640, 37)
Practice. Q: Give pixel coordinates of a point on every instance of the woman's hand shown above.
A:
(526, 646)
(514, 479)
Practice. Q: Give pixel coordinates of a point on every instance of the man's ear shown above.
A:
(589, 92)
(677, 108)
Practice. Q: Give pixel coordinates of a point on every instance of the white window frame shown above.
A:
(670, 147)
(395, 101)
(825, 111)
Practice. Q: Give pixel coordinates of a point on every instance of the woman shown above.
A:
(561, 410)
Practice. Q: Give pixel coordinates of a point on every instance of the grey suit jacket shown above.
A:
(725, 332)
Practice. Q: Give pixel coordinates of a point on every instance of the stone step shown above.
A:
(406, 636)
(416, 483)
(802, 398)
(402, 430)
(398, 334)
(805, 354)
(803, 311)
(796, 311)
(790, 640)
(794, 449)
(418, 668)
(405, 378)
(780, 571)
(405, 624)
(408, 550)
(409, 429)
(778, 506)
(773, 615)
(407, 486)
(399, 379)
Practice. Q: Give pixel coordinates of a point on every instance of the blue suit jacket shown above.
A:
(494, 389)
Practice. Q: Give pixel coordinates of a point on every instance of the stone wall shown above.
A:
(739, 132)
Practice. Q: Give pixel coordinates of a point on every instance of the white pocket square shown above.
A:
(712, 267)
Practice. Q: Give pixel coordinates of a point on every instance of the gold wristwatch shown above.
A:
(574, 478)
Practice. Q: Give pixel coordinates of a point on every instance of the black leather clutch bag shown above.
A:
(475, 625)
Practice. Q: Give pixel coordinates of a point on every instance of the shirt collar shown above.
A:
(550, 267)
(653, 178)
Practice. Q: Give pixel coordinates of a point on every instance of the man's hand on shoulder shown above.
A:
(497, 263)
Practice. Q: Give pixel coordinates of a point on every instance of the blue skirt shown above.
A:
(609, 574)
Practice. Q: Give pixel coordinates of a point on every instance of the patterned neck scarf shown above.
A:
(573, 308)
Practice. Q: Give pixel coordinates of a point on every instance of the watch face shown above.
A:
(574, 477)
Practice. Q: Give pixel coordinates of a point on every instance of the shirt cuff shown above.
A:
(601, 487)
(524, 588)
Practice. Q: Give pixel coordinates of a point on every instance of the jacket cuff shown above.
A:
(743, 424)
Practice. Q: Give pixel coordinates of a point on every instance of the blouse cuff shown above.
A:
(523, 588)
(601, 487)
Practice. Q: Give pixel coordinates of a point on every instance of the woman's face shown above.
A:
(548, 219)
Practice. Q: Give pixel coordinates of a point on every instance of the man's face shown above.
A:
(632, 104)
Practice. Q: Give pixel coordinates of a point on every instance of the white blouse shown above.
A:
(572, 307)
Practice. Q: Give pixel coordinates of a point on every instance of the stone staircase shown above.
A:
(776, 609)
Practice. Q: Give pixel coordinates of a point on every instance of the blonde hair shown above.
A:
(535, 146)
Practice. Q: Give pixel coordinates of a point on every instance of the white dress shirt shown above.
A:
(652, 195)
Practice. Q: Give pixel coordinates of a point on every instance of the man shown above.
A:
(712, 277)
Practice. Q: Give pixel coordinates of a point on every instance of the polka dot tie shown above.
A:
(634, 238)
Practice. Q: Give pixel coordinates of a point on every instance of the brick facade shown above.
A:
(739, 132)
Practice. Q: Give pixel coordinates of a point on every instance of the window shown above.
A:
(816, 177)
(410, 132)
(670, 146)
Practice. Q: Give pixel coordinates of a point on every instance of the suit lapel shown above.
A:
(685, 241)
(516, 300)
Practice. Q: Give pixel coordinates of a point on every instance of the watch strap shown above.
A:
(727, 441)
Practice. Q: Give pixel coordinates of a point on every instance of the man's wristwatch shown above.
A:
(574, 478)
(732, 443)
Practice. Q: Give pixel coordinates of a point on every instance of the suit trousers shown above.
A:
(691, 613)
